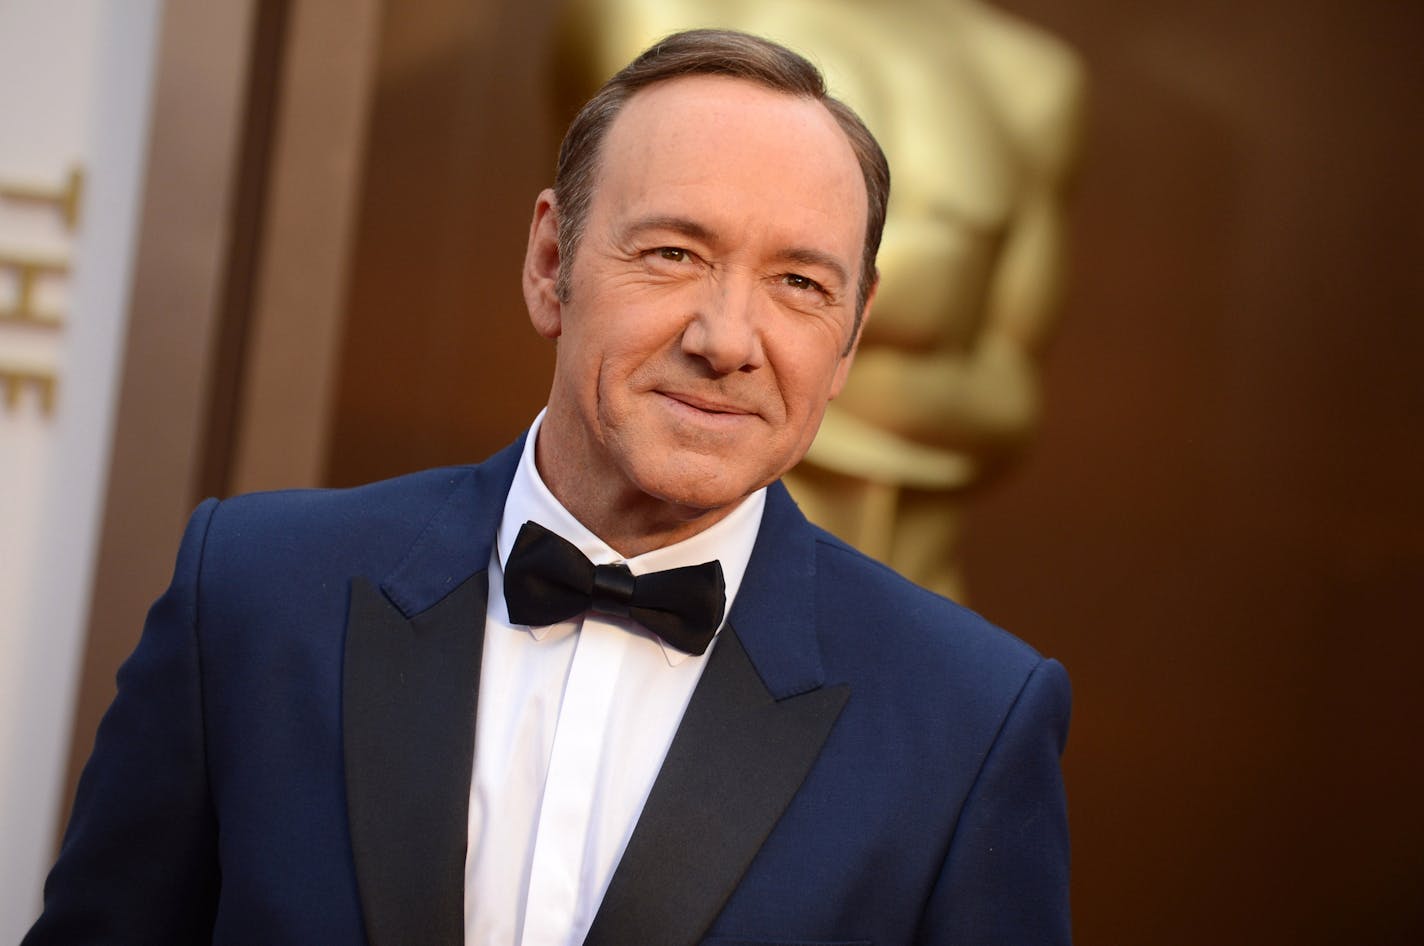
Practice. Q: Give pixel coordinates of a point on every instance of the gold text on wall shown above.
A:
(34, 272)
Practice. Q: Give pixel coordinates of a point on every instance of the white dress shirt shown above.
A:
(573, 723)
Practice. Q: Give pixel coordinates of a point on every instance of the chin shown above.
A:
(703, 487)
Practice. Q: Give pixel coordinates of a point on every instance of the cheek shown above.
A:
(807, 375)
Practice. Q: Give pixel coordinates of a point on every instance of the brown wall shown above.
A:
(1220, 532)
(440, 364)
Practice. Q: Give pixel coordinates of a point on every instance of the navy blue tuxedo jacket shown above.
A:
(288, 758)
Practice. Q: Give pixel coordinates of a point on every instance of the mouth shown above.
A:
(706, 406)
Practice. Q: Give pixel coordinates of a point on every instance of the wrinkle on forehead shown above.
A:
(678, 147)
(769, 127)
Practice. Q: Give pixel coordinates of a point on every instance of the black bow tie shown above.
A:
(548, 580)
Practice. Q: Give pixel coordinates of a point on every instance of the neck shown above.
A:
(628, 520)
(631, 531)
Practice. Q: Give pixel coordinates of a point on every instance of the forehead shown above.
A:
(721, 144)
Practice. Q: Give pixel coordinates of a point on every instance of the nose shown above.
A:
(724, 330)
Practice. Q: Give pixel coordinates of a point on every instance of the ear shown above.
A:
(541, 268)
(843, 369)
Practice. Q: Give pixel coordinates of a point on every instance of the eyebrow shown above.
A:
(686, 226)
(809, 257)
(683, 225)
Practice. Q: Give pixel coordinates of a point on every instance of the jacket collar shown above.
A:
(752, 730)
(774, 613)
(457, 541)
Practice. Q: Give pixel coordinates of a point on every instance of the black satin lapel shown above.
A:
(408, 726)
(736, 761)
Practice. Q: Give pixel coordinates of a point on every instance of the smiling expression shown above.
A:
(711, 306)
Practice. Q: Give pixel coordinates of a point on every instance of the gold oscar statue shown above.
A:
(978, 113)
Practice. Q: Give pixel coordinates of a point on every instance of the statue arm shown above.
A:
(983, 400)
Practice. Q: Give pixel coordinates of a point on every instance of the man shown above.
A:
(849, 759)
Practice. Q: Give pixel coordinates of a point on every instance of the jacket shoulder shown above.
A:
(873, 617)
(364, 529)
(860, 582)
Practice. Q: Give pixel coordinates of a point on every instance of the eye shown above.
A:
(802, 283)
(673, 254)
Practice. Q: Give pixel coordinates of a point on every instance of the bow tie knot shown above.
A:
(548, 580)
(612, 591)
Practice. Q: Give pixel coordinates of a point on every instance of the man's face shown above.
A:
(711, 302)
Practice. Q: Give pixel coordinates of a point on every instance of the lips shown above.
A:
(707, 405)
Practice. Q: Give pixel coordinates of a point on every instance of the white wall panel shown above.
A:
(75, 84)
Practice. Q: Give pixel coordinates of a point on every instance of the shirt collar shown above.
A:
(729, 540)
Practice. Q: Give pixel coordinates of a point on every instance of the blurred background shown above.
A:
(295, 261)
